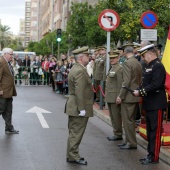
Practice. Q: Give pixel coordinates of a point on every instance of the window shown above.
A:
(28, 24)
(27, 18)
(28, 3)
(27, 14)
(27, 29)
(34, 4)
(34, 23)
(34, 13)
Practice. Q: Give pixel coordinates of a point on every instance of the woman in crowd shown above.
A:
(52, 67)
(26, 68)
(59, 77)
(36, 67)
(16, 69)
(45, 68)
(32, 70)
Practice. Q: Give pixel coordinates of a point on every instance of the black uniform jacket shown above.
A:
(153, 88)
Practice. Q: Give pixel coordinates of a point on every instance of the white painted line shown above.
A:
(42, 120)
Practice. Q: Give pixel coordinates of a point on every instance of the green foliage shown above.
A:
(44, 46)
(83, 27)
(5, 36)
(16, 45)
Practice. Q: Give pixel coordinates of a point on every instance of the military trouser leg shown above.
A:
(154, 120)
(116, 119)
(96, 84)
(76, 126)
(6, 111)
(128, 113)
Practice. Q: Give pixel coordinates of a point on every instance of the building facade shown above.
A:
(21, 34)
(44, 16)
(27, 21)
(34, 21)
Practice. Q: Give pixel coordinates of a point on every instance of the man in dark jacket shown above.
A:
(154, 101)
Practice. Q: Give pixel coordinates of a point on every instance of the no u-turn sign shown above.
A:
(108, 20)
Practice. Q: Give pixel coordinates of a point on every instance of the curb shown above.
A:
(164, 154)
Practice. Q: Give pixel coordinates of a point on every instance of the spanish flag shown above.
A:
(166, 62)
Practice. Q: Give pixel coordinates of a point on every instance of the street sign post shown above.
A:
(149, 19)
(108, 20)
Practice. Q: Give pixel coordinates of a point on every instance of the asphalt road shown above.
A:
(38, 148)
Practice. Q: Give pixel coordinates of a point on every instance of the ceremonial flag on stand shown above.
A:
(166, 62)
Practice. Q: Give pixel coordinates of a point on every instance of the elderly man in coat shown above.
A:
(79, 106)
(7, 89)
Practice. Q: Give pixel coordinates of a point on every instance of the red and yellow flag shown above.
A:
(166, 62)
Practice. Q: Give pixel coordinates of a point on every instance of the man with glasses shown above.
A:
(7, 89)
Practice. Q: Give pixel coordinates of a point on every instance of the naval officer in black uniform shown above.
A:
(154, 101)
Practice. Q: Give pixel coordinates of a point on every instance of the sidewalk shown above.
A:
(104, 115)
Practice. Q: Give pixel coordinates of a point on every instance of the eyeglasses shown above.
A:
(11, 54)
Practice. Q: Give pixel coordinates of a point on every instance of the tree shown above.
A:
(44, 46)
(5, 36)
(83, 28)
(16, 44)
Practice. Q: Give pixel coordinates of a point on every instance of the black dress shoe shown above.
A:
(144, 158)
(67, 160)
(121, 144)
(12, 131)
(148, 161)
(128, 147)
(113, 138)
(79, 162)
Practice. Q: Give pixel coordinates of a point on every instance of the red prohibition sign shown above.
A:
(108, 20)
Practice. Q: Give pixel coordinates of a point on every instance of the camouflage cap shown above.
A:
(82, 50)
(127, 45)
(101, 48)
(136, 46)
(113, 53)
(96, 49)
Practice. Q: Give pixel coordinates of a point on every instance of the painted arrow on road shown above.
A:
(39, 112)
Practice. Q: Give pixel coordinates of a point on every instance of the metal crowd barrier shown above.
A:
(31, 76)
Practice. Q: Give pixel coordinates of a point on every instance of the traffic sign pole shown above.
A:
(58, 57)
(108, 50)
(108, 20)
